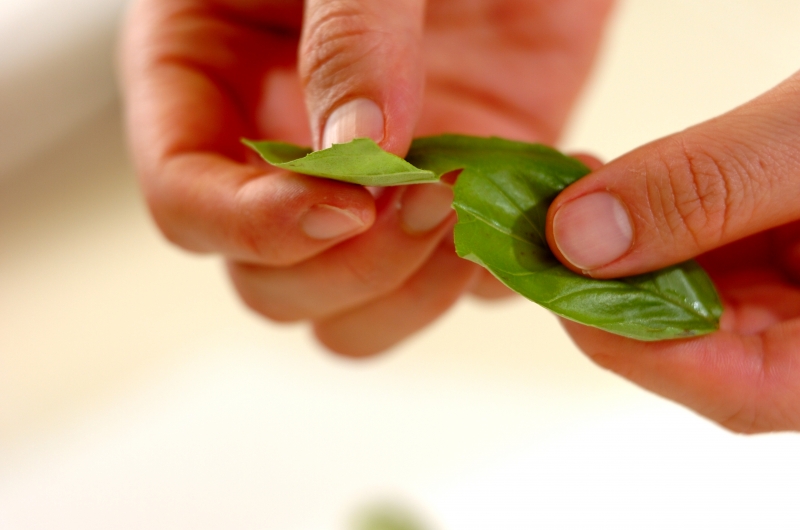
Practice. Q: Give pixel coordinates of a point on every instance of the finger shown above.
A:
(410, 224)
(206, 203)
(361, 63)
(685, 194)
(786, 243)
(746, 383)
(185, 127)
(379, 325)
(488, 287)
(589, 160)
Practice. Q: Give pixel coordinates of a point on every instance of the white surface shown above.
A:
(136, 392)
(254, 437)
(647, 465)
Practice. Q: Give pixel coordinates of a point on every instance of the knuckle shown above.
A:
(374, 274)
(439, 284)
(769, 403)
(744, 420)
(254, 241)
(702, 190)
(261, 231)
(166, 212)
(371, 275)
(162, 216)
(343, 340)
(245, 279)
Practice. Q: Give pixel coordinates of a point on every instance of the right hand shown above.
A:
(725, 191)
(367, 271)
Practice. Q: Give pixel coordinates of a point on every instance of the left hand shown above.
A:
(365, 271)
(728, 192)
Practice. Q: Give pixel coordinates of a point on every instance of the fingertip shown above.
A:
(324, 222)
(343, 344)
(288, 217)
(207, 203)
(688, 193)
(358, 118)
(362, 70)
(423, 207)
(386, 118)
(590, 231)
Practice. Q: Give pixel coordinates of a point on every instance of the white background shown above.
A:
(136, 392)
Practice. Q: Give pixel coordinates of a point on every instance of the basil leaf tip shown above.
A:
(501, 197)
(361, 161)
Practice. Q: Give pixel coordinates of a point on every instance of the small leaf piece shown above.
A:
(502, 197)
(361, 161)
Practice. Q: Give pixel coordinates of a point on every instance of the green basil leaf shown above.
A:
(501, 198)
(361, 161)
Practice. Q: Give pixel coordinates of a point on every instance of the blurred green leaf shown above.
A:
(387, 517)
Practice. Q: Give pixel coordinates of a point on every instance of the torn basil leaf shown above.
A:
(501, 198)
(359, 162)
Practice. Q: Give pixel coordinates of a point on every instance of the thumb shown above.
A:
(685, 194)
(361, 66)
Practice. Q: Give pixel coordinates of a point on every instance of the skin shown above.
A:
(725, 191)
(200, 74)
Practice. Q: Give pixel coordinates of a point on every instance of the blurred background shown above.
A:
(137, 392)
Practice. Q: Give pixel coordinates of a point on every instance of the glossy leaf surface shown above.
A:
(359, 162)
(502, 196)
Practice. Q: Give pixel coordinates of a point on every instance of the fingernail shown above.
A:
(360, 118)
(593, 230)
(328, 222)
(423, 207)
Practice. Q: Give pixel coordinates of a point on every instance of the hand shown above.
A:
(366, 270)
(727, 191)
